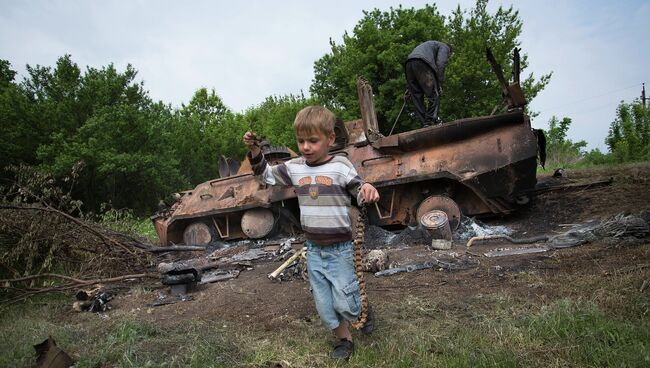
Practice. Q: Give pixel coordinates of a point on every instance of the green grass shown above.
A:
(96, 341)
(581, 334)
(498, 332)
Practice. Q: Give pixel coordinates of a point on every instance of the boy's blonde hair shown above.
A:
(313, 119)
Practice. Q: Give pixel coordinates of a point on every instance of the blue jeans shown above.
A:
(333, 282)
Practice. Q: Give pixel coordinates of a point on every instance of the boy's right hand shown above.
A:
(252, 142)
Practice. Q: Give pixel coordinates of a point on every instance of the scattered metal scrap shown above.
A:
(502, 252)
(448, 266)
(618, 229)
(94, 301)
(219, 275)
(506, 237)
(220, 265)
(622, 225)
(407, 268)
(225, 264)
(559, 183)
(293, 261)
(166, 300)
(249, 255)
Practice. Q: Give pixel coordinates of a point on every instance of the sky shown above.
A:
(598, 51)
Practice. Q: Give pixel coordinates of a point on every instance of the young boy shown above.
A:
(323, 185)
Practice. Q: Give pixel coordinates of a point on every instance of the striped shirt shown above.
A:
(323, 192)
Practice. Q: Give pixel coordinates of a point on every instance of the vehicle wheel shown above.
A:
(442, 203)
(257, 222)
(198, 233)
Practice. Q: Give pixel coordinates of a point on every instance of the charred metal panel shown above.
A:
(357, 135)
(247, 192)
(494, 157)
(463, 129)
(368, 113)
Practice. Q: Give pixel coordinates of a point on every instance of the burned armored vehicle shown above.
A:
(475, 166)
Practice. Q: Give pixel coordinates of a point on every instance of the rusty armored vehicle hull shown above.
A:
(475, 167)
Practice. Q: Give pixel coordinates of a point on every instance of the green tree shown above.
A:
(19, 126)
(561, 151)
(198, 135)
(127, 161)
(274, 118)
(381, 42)
(629, 133)
(55, 97)
(104, 119)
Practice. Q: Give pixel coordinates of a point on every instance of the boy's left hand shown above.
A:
(369, 194)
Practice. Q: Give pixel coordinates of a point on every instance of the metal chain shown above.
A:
(359, 240)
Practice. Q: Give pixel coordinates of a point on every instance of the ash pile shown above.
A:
(377, 238)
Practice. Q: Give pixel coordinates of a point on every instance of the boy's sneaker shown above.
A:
(369, 326)
(342, 350)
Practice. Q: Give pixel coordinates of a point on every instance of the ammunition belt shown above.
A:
(359, 240)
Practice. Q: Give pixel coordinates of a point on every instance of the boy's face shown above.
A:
(314, 145)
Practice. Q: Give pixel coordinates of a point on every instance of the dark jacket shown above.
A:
(434, 53)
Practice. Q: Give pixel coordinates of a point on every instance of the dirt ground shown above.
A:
(539, 277)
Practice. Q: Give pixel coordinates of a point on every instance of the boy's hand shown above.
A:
(251, 141)
(369, 194)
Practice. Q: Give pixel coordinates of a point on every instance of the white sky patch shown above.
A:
(598, 50)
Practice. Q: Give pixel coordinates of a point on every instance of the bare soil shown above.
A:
(535, 278)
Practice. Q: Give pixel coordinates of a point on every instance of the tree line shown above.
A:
(628, 139)
(130, 151)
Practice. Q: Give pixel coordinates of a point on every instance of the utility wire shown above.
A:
(596, 96)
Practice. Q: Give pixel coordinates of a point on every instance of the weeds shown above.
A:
(510, 334)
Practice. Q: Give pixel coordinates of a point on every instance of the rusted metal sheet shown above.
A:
(513, 96)
(491, 158)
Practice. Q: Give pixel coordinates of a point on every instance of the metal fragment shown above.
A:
(218, 275)
(516, 251)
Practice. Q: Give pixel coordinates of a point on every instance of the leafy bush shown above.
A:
(39, 232)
